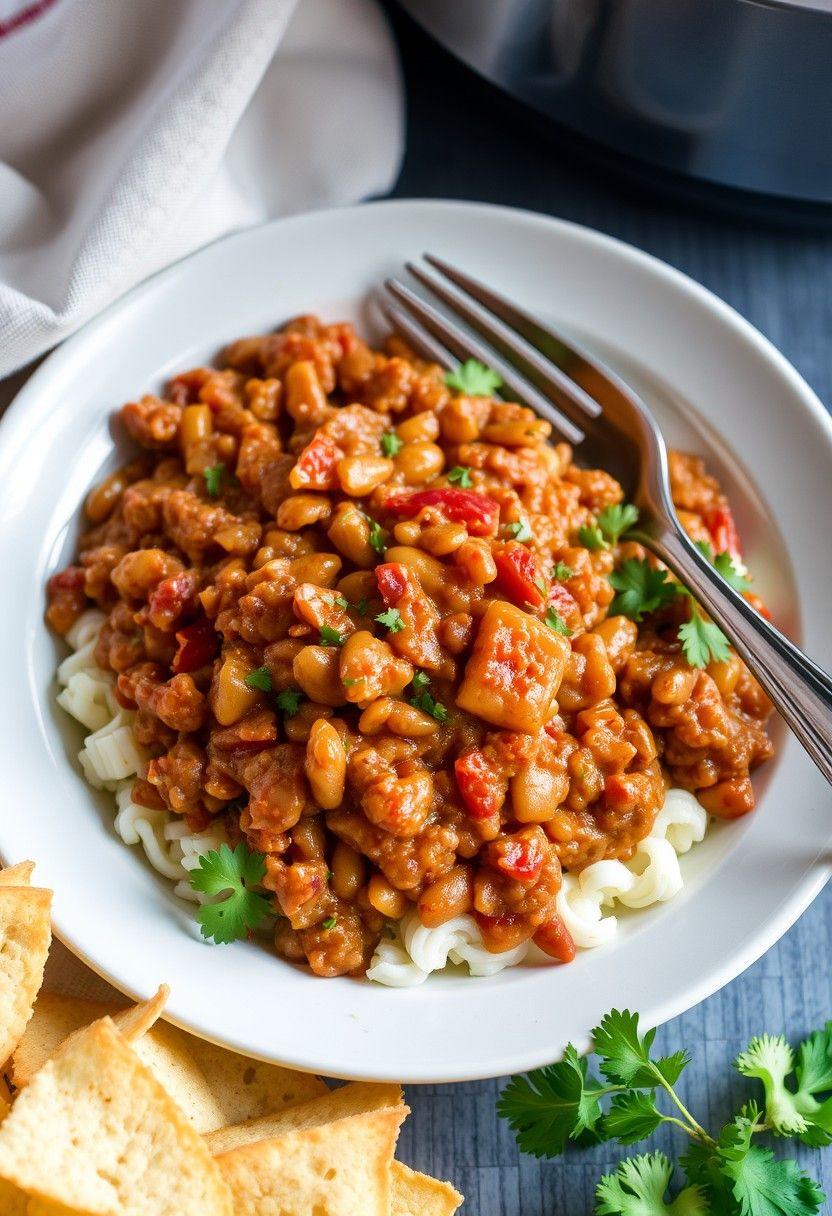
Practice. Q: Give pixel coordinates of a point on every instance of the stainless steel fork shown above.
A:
(589, 404)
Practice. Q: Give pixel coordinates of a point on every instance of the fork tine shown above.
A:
(523, 355)
(419, 339)
(464, 346)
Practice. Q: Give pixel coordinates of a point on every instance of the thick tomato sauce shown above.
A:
(455, 755)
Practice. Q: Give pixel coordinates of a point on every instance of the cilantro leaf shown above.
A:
(641, 589)
(556, 623)
(376, 537)
(429, 705)
(520, 531)
(814, 1062)
(331, 637)
(638, 1188)
(632, 1117)
(391, 445)
(702, 640)
(770, 1059)
(329, 923)
(562, 572)
(725, 565)
(391, 619)
(616, 519)
(260, 678)
(625, 1055)
(341, 601)
(230, 872)
(460, 475)
(362, 607)
(552, 1105)
(763, 1186)
(474, 379)
(590, 537)
(289, 701)
(214, 476)
(420, 680)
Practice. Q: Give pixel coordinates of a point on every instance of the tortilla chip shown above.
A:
(136, 1020)
(17, 876)
(95, 1130)
(12, 1201)
(333, 1169)
(414, 1194)
(25, 934)
(213, 1087)
(361, 1097)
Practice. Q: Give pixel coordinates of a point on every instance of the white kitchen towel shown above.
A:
(134, 131)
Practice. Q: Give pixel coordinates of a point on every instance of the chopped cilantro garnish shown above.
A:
(540, 584)
(702, 640)
(214, 478)
(230, 872)
(260, 679)
(391, 445)
(362, 607)
(421, 680)
(329, 923)
(590, 537)
(724, 564)
(520, 531)
(617, 519)
(556, 623)
(341, 601)
(429, 705)
(289, 701)
(330, 636)
(460, 476)
(474, 379)
(562, 572)
(641, 589)
(391, 619)
(376, 537)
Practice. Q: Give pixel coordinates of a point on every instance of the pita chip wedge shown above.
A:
(213, 1087)
(25, 935)
(17, 876)
(95, 1131)
(322, 1163)
(414, 1194)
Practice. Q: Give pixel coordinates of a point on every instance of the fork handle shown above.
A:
(798, 687)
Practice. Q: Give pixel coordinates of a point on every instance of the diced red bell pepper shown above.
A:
(70, 579)
(392, 579)
(315, 467)
(520, 857)
(518, 575)
(478, 512)
(554, 939)
(563, 602)
(172, 598)
(197, 645)
(482, 791)
(726, 539)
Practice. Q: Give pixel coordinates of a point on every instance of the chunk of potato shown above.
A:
(515, 669)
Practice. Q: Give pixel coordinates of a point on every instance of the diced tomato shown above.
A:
(71, 579)
(315, 467)
(518, 575)
(482, 791)
(726, 539)
(198, 644)
(171, 598)
(520, 857)
(392, 582)
(478, 512)
(554, 939)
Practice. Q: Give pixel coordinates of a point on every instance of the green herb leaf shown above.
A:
(552, 1105)
(341, 601)
(702, 640)
(259, 679)
(230, 873)
(429, 705)
(763, 1186)
(214, 478)
(641, 589)
(329, 923)
(331, 637)
(617, 519)
(421, 679)
(562, 572)
(391, 445)
(590, 537)
(391, 619)
(362, 607)
(288, 701)
(474, 379)
(625, 1055)
(376, 537)
(556, 623)
(520, 531)
(632, 1117)
(460, 476)
(639, 1188)
(725, 565)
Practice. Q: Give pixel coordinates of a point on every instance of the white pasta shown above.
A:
(112, 753)
(651, 876)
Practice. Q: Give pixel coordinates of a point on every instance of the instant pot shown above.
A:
(736, 94)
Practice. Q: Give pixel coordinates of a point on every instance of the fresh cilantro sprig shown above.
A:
(288, 701)
(377, 537)
(391, 445)
(391, 620)
(460, 475)
(612, 523)
(640, 589)
(520, 531)
(562, 572)
(214, 477)
(554, 621)
(331, 637)
(424, 700)
(230, 874)
(474, 379)
(726, 1175)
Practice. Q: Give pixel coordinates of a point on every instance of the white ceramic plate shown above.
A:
(718, 387)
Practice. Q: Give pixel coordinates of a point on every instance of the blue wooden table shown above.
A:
(464, 142)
